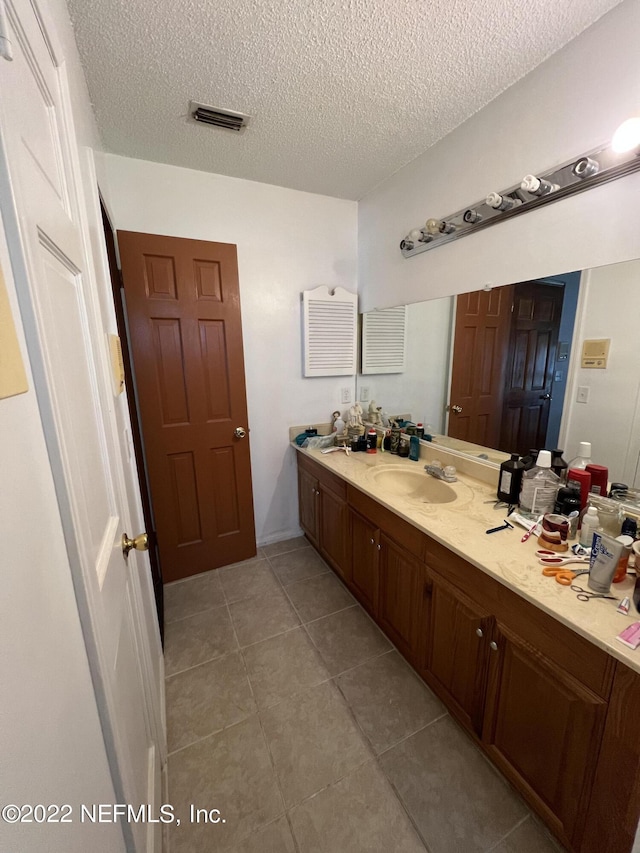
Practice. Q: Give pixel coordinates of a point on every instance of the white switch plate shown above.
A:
(364, 394)
(583, 394)
(346, 395)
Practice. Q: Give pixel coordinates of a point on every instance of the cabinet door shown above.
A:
(364, 562)
(543, 729)
(457, 651)
(308, 494)
(400, 577)
(334, 528)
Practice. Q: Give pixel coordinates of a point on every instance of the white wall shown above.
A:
(288, 241)
(608, 295)
(570, 104)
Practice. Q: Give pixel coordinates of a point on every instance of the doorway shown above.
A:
(183, 314)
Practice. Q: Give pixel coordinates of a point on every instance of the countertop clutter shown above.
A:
(460, 524)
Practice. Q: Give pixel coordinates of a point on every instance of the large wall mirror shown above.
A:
(500, 371)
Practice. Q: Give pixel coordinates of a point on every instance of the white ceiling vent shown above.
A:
(217, 117)
(330, 332)
(384, 340)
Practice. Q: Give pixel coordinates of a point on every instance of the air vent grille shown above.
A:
(216, 117)
(384, 342)
(330, 324)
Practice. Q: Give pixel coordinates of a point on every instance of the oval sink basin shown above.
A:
(417, 485)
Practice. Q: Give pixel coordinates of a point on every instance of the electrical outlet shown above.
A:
(364, 394)
(346, 395)
(583, 394)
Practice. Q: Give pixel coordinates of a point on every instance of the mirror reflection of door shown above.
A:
(504, 366)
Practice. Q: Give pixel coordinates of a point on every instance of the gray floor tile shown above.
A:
(313, 740)
(232, 772)
(204, 636)
(359, 814)
(207, 698)
(274, 838)
(247, 580)
(458, 802)
(529, 837)
(319, 596)
(388, 700)
(285, 546)
(298, 565)
(347, 639)
(282, 666)
(192, 595)
(256, 619)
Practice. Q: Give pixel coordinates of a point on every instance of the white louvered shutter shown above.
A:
(330, 332)
(384, 340)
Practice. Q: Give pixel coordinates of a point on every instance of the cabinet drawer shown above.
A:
(396, 528)
(580, 658)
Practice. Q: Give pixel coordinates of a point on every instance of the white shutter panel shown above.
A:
(384, 340)
(330, 332)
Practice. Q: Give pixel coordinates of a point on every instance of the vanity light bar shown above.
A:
(575, 176)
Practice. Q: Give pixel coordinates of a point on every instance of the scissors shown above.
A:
(563, 576)
(585, 595)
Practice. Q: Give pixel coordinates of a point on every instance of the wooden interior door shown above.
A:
(477, 375)
(531, 365)
(183, 307)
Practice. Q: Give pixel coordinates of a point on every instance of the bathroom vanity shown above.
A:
(534, 675)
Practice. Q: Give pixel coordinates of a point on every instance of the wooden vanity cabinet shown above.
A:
(555, 713)
(324, 515)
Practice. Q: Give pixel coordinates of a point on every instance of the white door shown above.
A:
(65, 329)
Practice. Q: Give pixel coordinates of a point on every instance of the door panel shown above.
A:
(364, 561)
(65, 330)
(477, 373)
(532, 355)
(183, 308)
(399, 578)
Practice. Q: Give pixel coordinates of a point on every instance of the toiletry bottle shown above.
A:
(599, 478)
(530, 459)
(590, 524)
(372, 441)
(623, 562)
(558, 465)
(414, 448)
(420, 430)
(581, 480)
(539, 486)
(403, 450)
(583, 458)
(510, 480)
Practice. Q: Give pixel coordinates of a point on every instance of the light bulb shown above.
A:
(432, 226)
(537, 186)
(415, 235)
(627, 136)
(502, 202)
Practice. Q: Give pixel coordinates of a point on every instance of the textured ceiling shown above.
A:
(342, 93)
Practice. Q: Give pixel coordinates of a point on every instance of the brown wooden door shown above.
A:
(457, 651)
(477, 374)
(334, 527)
(398, 597)
(531, 364)
(542, 728)
(364, 538)
(183, 307)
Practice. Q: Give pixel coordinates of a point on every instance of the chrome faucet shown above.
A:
(448, 473)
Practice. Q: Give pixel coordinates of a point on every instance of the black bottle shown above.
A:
(558, 465)
(530, 459)
(510, 480)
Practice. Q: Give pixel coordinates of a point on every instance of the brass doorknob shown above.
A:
(239, 432)
(456, 409)
(140, 543)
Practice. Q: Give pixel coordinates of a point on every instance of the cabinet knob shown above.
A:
(373, 542)
(379, 547)
(479, 632)
(493, 646)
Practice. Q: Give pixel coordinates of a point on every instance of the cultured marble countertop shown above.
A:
(460, 526)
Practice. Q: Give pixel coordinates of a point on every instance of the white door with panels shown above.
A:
(65, 329)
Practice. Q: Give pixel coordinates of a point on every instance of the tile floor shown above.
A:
(293, 715)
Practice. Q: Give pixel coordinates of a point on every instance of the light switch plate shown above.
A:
(583, 394)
